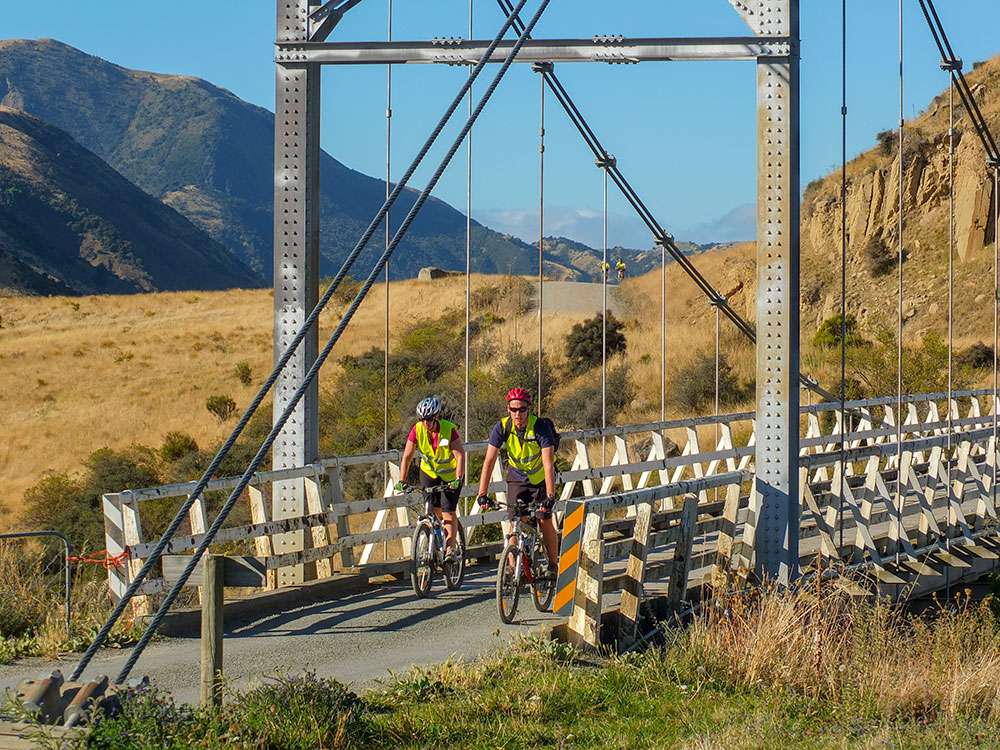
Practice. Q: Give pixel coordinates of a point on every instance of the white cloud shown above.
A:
(581, 224)
(739, 224)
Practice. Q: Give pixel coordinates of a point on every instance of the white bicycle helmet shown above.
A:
(429, 408)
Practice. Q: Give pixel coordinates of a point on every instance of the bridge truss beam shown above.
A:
(296, 266)
(775, 499)
(774, 47)
(607, 49)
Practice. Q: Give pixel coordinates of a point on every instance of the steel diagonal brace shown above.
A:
(605, 161)
(327, 16)
(953, 64)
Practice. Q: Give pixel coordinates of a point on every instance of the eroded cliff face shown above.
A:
(872, 213)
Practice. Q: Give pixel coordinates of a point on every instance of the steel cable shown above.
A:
(663, 238)
(899, 309)
(321, 358)
(843, 275)
(311, 320)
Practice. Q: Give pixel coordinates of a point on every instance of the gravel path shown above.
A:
(577, 297)
(357, 639)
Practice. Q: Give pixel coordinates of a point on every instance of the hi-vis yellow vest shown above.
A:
(440, 463)
(524, 455)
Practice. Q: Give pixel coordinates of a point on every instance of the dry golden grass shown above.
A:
(81, 373)
(852, 652)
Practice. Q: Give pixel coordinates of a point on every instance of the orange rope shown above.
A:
(101, 557)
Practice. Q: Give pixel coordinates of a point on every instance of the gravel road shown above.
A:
(577, 297)
(357, 639)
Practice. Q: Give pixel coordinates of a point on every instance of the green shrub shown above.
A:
(879, 257)
(828, 335)
(584, 344)
(221, 407)
(693, 386)
(176, 445)
(581, 407)
(244, 373)
(976, 356)
(886, 141)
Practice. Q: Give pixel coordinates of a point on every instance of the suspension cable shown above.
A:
(468, 251)
(661, 236)
(388, 175)
(310, 321)
(899, 308)
(604, 320)
(663, 333)
(955, 67)
(996, 315)
(843, 274)
(541, 67)
(951, 283)
(314, 369)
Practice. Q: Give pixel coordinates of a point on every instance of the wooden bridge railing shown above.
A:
(341, 533)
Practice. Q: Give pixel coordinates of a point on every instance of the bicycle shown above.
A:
(524, 562)
(428, 549)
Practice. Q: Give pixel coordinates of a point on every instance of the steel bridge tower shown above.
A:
(301, 51)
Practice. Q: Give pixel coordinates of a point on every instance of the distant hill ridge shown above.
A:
(71, 224)
(210, 155)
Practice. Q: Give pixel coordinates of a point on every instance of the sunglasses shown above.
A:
(517, 409)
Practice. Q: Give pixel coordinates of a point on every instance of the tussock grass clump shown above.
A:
(32, 603)
(874, 658)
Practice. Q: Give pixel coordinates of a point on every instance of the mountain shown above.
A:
(587, 260)
(872, 225)
(71, 224)
(210, 155)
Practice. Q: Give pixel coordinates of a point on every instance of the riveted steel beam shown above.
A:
(775, 500)
(296, 267)
(607, 49)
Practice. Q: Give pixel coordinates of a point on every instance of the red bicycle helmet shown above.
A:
(519, 394)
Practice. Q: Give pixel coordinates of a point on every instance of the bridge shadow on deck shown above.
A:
(353, 613)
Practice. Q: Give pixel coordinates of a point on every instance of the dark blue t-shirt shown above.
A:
(543, 435)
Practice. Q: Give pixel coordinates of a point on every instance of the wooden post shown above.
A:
(585, 622)
(677, 586)
(723, 568)
(211, 631)
(628, 621)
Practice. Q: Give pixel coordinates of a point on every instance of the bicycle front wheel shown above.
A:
(454, 569)
(422, 572)
(508, 582)
(542, 589)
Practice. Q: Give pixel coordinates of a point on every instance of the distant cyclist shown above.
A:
(442, 462)
(531, 473)
(620, 267)
(605, 267)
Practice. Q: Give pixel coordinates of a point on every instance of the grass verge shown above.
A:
(757, 671)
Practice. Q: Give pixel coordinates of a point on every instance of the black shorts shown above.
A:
(520, 495)
(446, 500)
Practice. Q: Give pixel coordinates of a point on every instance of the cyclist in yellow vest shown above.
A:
(531, 472)
(605, 267)
(620, 267)
(442, 462)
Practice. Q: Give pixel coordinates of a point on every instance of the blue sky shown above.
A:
(683, 133)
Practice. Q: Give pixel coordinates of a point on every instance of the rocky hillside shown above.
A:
(872, 225)
(71, 224)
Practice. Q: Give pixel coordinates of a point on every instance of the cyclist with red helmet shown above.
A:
(442, 462)
(531, 474)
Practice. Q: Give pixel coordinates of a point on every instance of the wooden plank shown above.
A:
(628, 623)
(236, 570)
(585, 621)
(677, 587)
